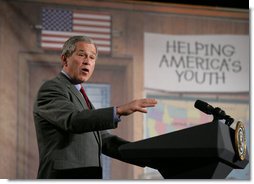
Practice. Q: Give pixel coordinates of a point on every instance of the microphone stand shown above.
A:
(219, 114)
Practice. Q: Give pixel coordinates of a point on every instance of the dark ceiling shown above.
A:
(238, 4)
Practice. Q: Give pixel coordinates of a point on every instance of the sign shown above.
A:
(197, 63)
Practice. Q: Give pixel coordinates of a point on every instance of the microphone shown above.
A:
(216, 112)
(204, 107)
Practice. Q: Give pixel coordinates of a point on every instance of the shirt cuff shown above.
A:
(116, 116)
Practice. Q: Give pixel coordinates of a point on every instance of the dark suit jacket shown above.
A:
(69, 135)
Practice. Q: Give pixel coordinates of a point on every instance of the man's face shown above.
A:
(80, 65)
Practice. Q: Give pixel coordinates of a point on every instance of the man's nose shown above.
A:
(86, 60)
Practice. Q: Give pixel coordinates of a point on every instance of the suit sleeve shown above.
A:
(110, 147)
(54, 105)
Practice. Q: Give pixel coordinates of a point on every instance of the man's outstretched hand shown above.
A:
(136, 106)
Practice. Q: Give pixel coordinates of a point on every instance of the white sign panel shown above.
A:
(194, 63)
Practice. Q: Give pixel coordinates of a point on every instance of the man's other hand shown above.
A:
(139, 105)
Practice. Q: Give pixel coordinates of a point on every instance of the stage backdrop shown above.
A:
(196, 63)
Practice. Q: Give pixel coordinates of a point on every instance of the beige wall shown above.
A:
(19, 40)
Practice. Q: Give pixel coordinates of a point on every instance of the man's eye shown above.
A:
(92, 57)
(81, 54)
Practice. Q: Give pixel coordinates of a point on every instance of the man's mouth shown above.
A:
(85, 70)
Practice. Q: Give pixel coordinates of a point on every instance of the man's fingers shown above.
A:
(148, 102)
(144, 103)
(147, 105)
(136, 105)
(142, 110)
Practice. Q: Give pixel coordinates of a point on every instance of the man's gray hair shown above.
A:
(69, 46)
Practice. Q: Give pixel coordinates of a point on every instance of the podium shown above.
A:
(205, 151)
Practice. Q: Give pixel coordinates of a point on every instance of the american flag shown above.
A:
(59, 24)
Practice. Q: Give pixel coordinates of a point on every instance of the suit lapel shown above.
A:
(79, 96)
(74, 90)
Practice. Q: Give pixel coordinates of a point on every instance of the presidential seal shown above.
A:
(240, 140)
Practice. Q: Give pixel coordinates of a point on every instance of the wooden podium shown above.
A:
(200, 152)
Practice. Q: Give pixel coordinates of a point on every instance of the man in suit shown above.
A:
(71, 134)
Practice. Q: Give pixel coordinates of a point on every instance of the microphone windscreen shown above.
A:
(203, 106)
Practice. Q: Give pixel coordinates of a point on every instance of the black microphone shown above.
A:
(216, 112)
(204, 107)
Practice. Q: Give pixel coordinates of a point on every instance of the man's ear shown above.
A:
(64, 60)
